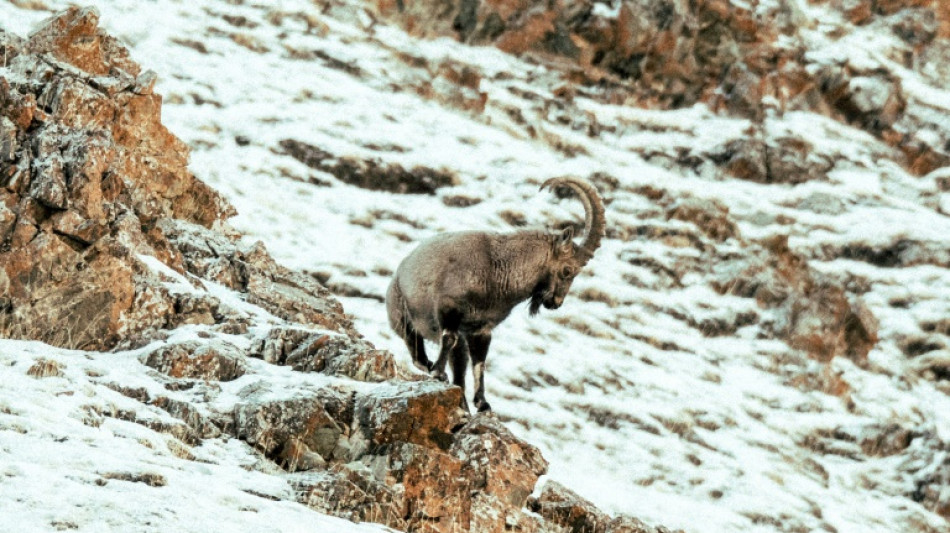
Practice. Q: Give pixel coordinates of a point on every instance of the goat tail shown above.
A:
(396, 308)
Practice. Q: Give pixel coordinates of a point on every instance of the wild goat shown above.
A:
(453, 289)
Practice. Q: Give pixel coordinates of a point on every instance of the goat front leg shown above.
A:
(459, 364)
(478, 349)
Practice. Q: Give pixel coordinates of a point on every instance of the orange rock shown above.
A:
(421, 413)
(73, 37)
(859, 13)
(523, 38)
(73, 275)
(943, 16)
(498, 463)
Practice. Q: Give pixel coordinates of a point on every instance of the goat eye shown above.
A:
(567, 272)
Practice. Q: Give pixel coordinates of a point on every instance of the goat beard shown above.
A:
(537, 297)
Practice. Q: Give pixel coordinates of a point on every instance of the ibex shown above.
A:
(453, 289)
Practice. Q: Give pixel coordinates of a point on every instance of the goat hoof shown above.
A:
(439, 375)
(483, 406)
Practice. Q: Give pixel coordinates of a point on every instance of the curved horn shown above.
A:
(595, 223)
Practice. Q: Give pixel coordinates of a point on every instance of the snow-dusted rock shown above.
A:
(332, 354)
(208, 360)
(290, 430)
(815, 313)
(500, 464)
(708, 215)
(76, 174)
(424, 413)
(368, 173)
(565, 508)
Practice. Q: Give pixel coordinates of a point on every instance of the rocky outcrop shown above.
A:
(741, 59)
(337, 355)
(87, 172)
(477, 479)
(816, 315)
(369, 173)
(216, 361)
(567, 510)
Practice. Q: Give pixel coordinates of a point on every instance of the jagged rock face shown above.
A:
(481, 482)
(86, 170)
(500, 465)
(733, 56)
(92, 185)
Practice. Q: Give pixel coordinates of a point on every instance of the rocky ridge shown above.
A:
(109, 242)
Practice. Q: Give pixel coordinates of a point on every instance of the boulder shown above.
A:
(299, 433)
(565, 508)
(206, 359)
(423, 413)
(499, 464)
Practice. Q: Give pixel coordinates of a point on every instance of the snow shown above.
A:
(634, 408)
(64, 448)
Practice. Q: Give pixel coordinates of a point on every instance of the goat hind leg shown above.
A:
(449, 321)
(450, 339)
(417, 349)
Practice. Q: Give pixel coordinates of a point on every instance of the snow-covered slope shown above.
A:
(649, 391)
(71, 460)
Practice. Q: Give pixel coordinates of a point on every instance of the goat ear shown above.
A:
(564, 241)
